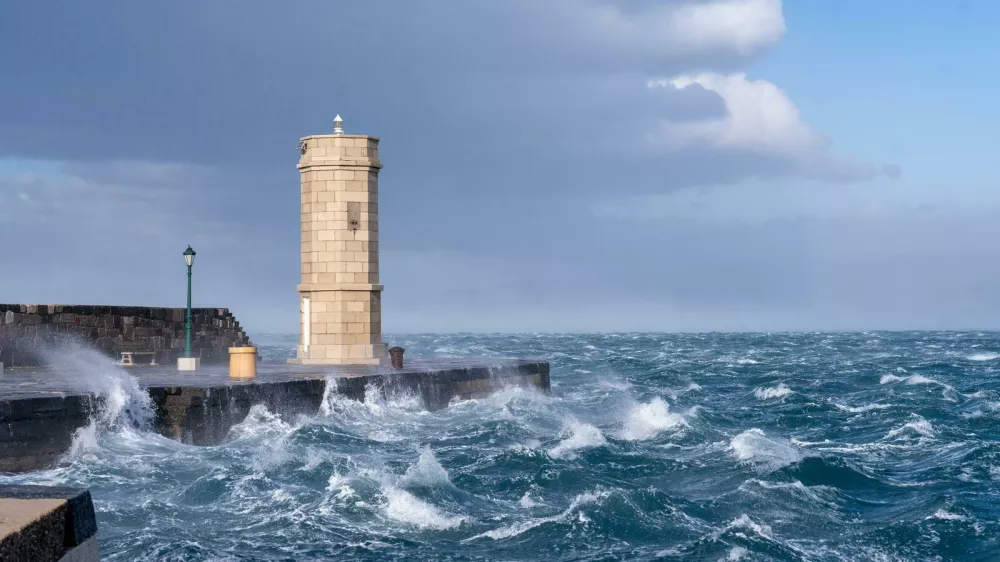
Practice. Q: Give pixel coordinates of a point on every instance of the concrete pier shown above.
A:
(40, 410)
(47, 524)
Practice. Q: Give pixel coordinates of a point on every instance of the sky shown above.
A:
(567, 165)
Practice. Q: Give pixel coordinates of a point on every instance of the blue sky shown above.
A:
(567, 165)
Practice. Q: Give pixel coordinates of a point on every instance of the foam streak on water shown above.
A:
(820, 447)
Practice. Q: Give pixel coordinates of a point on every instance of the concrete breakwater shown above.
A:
(47, 524)
(27, 329)
(41, 410)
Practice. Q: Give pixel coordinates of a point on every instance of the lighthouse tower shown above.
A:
(340, 297)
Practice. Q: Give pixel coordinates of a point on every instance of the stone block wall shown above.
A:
(339, 176)
(27, 330)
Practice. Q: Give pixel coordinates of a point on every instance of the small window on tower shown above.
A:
(353, 215)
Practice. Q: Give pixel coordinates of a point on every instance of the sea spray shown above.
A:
(427, 471)
(779, 391)
(121, 402)
(408, 508)
(527, 502)
(377, 416)
(261, 423)
(762, 452)
(402, 505)
(578, 436)
(645, 421)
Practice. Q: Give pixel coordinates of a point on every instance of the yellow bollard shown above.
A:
(242, 362)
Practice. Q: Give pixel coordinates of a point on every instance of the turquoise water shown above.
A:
(866, 446)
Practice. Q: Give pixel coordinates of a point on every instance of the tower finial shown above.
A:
(338, 125)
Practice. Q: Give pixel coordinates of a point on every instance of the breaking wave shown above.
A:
(120, 400)
(779, 391)
(646, 421)
(764, 453)
(407, 508)
(579, 436)
(524, 526)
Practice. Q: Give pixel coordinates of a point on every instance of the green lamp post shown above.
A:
(189, 260)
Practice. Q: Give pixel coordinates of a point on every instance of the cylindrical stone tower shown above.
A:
(340, 297)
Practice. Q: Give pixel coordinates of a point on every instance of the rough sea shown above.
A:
(854, 446)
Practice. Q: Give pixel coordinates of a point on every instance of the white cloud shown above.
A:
(761, 120)
(681, 28)
(744, 26)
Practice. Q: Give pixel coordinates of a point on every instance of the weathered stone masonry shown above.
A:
(26, 329)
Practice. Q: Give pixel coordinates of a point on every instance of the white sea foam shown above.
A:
(795, 486)
(648, 420)
(912, 379)
(341, 485)
(779, 391)
(84, 440)
(764, 453)
(946, 516)
(526, 502)
(528, 447)
(983, 356)
(745, 522)
(427, 471)
(581, 436)
(737, 553)
(376, 417)
(448, 351)
(861, 409)
(747, 361)
(407, 508)
(260, 422)
(522, 526)
(920, 426)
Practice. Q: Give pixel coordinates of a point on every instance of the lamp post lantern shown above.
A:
(187, 363)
